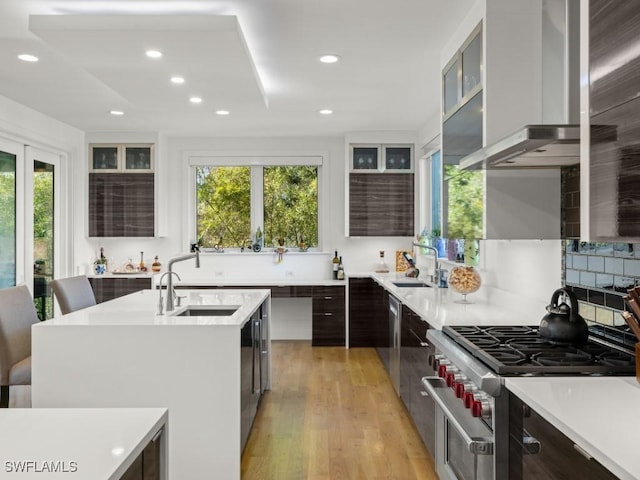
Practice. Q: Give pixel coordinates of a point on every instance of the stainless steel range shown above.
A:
(474, 422)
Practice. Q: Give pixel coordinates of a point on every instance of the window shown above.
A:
(233, 200)
(291, 204)
(224, 205)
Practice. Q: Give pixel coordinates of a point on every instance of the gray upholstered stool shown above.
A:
(17, 314)
(73, 293)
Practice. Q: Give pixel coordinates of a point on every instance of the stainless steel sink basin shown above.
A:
(207, 311)
(410, 284)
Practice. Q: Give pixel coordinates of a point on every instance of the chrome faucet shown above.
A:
(195, 255)
(169, 292)
(438, 273)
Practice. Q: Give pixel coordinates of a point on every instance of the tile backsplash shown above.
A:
(600, 274)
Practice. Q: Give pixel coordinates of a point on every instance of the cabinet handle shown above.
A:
(424, 344)
(157, 435)
(328, 314)
(582, 451)
(423, 393)
(328, 298)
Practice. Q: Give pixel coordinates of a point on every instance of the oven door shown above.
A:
(464, 444)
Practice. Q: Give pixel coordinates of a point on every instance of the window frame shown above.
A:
(256, 161)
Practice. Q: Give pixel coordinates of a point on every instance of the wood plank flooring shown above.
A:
(332, 414)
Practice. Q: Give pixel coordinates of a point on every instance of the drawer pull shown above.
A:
(328, 298)
(424, 344)
(328, 314)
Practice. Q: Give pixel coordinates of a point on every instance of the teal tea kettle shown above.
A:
(562, 324)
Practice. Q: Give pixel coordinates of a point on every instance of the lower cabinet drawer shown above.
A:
(328, 329)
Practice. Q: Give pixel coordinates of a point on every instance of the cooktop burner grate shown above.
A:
(520, 350)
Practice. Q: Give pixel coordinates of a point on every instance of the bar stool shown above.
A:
(73, 293)
(17, 314)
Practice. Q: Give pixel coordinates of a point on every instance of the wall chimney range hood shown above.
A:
(536, 146)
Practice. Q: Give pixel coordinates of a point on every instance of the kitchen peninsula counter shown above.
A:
(596, 413)
(121, 353)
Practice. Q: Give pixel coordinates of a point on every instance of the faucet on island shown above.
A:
(171, 273)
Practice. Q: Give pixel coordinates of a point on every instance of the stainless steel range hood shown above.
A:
(536, 146)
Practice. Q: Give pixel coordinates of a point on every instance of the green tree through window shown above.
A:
(465, 202)
(289, 204)
(224, 205)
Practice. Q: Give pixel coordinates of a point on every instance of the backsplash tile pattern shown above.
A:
(600, 275)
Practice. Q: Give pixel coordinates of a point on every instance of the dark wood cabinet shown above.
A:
(109, 288)
(368, 314)
(381, 204)
(121, 205)
(328, 326)
(415, 364)
(614, 63)
(613, 199)
(559, 457)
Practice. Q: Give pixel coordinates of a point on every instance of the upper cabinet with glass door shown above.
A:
(121, 157)
(381, 158)
(462, 76)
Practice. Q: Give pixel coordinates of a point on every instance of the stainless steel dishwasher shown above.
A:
(395, 317)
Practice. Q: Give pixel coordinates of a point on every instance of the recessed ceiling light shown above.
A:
(154, 53)
(116, 112)
(25, 57)
(222, 112)
(177, 80)
(329, 58)
(325, 111)
(195, 100)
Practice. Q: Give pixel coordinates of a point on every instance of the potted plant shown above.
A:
(100, 264)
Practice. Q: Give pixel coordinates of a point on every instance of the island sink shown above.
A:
(206, 311)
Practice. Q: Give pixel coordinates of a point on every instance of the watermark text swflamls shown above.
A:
(40, 466)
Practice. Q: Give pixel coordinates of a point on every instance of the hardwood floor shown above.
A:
(333, 414)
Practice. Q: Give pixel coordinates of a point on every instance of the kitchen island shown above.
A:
(122, 353)
(96, 443)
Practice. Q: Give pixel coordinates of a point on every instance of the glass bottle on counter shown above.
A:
(381, 266)
(335, 262)
(141, 266)
(156, 265)
(340, 270)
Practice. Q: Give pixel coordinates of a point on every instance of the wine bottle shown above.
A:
(340, 270)
(336, 262)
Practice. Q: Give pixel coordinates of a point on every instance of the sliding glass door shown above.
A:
(42, 189)
(30, 199)
(11, 212)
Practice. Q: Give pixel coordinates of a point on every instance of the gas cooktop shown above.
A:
(519, 350)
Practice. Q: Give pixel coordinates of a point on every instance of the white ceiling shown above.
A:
(256, 58)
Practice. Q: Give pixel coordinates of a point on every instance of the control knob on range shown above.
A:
(454, 376)
(481, 406)
(445, 368)
(463, 388)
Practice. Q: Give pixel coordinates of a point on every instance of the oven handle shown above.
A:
(477, 445)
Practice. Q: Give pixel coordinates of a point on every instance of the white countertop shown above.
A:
(124, 275)
(597, 413)
(89, 443)
(140, 309)
(439, 306)
(266, 282)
